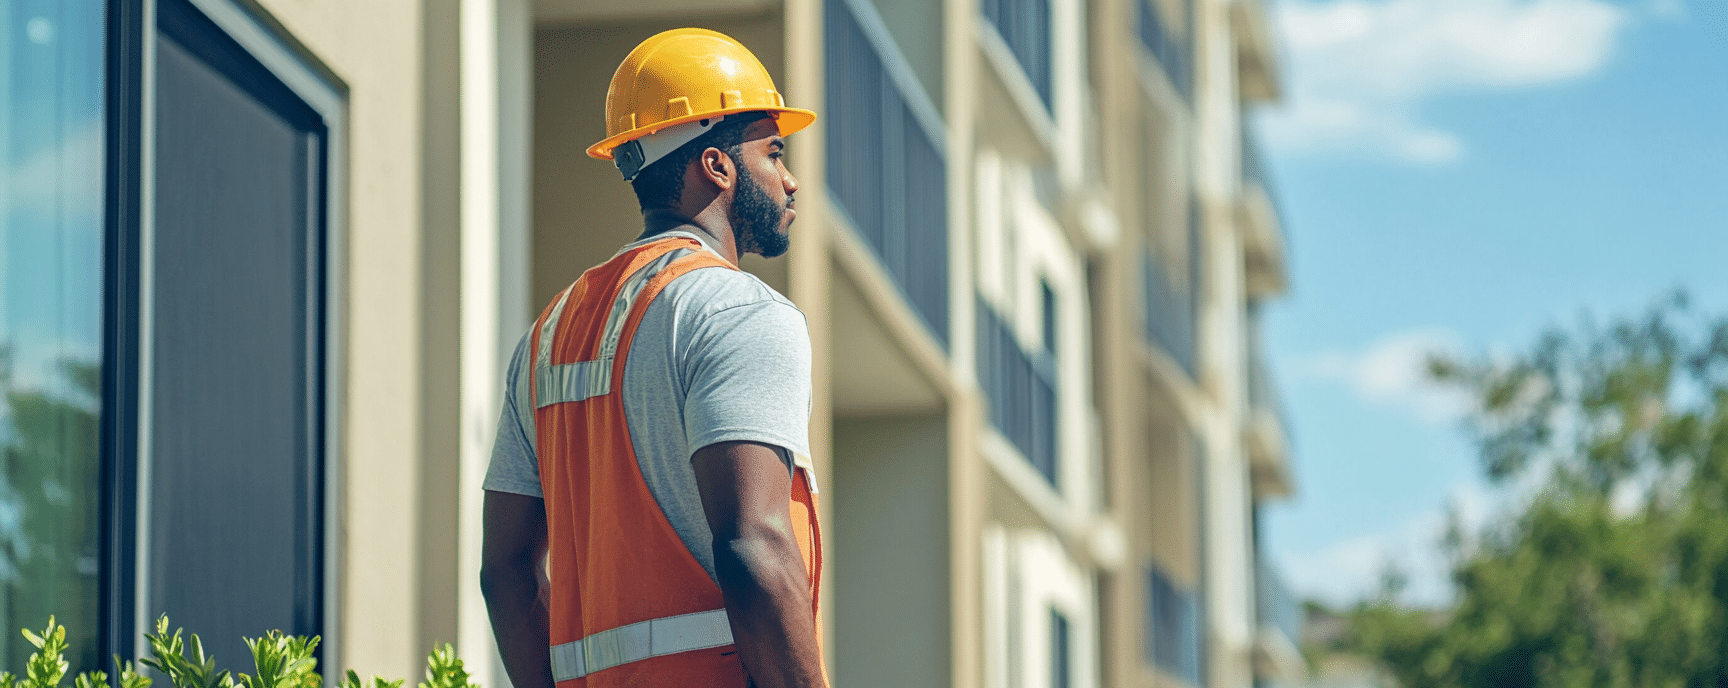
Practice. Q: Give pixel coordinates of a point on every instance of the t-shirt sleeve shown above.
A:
(514, 467)
(747, 378)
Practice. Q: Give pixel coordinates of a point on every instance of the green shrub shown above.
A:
(281, 661)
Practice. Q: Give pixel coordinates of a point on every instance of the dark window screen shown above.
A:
(235, 456)
(1060, 671)
(1049, 313)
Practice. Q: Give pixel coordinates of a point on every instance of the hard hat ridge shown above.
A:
(681, 77)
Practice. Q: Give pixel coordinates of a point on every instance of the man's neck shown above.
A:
(660, 221)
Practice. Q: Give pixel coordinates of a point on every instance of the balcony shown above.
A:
(1174, 628)
(1169, 315)
(1020, 389)
(887, 172)
(1262, 226)
(1277, 642)
(1256, 51)
(1268, 453)
(1024, 26)
(1174, 53)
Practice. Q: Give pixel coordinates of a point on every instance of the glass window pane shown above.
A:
(51, 138)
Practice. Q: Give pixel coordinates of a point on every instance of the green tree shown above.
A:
(1614, 569)
(48, 506)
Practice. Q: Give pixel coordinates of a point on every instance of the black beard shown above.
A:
(756, 220)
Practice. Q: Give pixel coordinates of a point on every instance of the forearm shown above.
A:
(763, 578)
(519, 624)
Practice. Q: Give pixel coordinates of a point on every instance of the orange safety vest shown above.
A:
(630, 605)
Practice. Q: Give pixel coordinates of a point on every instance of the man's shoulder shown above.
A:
(705, 291)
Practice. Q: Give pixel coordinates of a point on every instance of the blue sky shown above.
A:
(1461, 174)
(51, 139)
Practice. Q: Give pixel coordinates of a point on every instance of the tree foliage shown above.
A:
(1613, 569)
(48, 534)
(281, 660)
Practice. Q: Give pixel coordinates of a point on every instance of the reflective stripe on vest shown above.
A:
(639, 641)
(557, 384)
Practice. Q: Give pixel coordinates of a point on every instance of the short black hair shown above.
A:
(661, 183)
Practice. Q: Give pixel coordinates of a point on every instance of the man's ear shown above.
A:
(717, 167)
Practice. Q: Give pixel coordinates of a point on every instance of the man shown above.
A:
(652, 451)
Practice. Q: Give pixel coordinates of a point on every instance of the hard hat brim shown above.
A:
(789, 120)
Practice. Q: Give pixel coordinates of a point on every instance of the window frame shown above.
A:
(132, 29)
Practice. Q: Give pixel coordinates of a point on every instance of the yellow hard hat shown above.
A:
(684, 77)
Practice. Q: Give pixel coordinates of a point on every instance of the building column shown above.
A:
(495, 41)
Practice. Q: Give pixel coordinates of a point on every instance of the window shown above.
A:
(1168, 311)
(1020, 388)
(234, 362)
(163, 373)
(1174, 53)
(1024, 26)
(51, 150)
(1173, 626)
(886, 166)
(1061, 667)
(1048, 300)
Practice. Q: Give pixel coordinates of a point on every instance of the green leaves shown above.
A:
(280, 660)
(444, 670)
(184, 665)
(129, 676)
(48, 664)
(46, 667)
(354, 682)
(283, 662)
(1612, 568)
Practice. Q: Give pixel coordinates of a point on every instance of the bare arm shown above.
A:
(510, 579)
(745, 488)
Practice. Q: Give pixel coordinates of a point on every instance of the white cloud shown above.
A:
(56, 188)
(1361, 68)
(40, 30)
(1668, 9)
(1338, 574)
(1393, 372)
(1341, 573)
(57, 184)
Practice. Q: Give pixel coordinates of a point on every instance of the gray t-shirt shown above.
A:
(719, 356)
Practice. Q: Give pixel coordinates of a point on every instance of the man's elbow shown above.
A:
(763, 558)
(500, 579)
(491, 580)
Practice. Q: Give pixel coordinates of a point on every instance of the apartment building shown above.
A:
(252, 374)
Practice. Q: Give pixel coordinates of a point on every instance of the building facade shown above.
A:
(265, 261)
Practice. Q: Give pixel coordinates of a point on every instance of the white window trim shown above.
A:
(1028, 574)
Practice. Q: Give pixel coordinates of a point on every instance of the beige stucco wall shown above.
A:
(889, 551)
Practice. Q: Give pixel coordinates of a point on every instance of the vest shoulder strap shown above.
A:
(567, 382)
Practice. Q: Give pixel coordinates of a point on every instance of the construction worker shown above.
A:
(651, 467)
